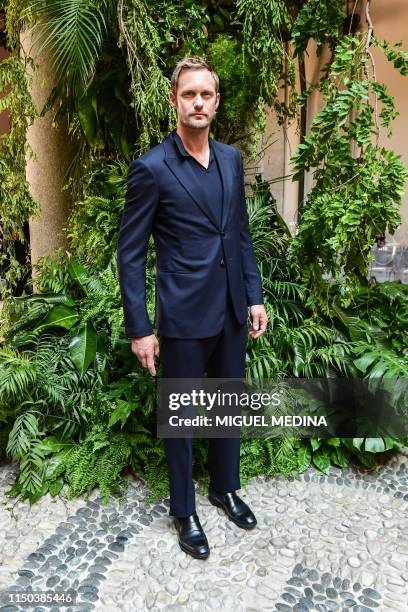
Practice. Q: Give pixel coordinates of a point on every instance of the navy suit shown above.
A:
(206, 278)
(197, 258)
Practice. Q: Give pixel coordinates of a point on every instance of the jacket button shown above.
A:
(222, 262)
(222, 232)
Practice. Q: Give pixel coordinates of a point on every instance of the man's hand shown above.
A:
(146, 348)
(259, 320)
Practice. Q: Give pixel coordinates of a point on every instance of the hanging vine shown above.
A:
(16, 202)
(357, 184)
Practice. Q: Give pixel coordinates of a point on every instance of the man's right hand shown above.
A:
(146, 348)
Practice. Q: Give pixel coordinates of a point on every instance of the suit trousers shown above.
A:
(220, 356)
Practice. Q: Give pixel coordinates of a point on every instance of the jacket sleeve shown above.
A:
(142, 197)
(252, 277)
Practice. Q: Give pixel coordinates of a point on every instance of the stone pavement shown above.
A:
(336, 542)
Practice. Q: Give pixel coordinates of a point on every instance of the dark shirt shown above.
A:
(209, 178)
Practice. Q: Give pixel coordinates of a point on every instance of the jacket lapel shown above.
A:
(226, 178)
(188, 181)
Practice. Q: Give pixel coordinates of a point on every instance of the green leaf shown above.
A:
(333, 442)
(79, 274)
(55, 486)
(82, 347)
(339, 457)
(321, 460)
(315, 443)
(121, 413)
(304, 456)
(59, 316)
(374, 445)
(364, 362)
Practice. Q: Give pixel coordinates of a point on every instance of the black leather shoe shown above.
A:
(191, 536)
(234, 507)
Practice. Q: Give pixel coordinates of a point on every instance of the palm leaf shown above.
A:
(73, 32)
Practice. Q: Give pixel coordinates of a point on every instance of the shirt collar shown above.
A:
(182, 150)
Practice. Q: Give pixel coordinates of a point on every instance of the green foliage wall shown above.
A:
(75, 406)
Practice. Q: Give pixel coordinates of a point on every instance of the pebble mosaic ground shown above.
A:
(335, 542)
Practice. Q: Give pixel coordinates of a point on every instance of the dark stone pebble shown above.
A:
(289, 598)
(116, 547)
(26, 572)
(84, 512)
(294, 591)
(80, 551)
(91, 555)
(97, 568)
(313, 575)
(36, 557)
(297, 570)
(295, 582)
(300, 607)
(368, 602)
(319, 588)
(337, 582)
(97, 576)
(356, 586)
(89, 596)
(308, 592)
(122, 539)
(92, 505)
(52, 581)
(331, 593)
(369, 592)
(86, 588)
(110, 554)
(346, 595)
(83, 566)
(64, 585)
(326, 578)
(283, 607)
(103, 560)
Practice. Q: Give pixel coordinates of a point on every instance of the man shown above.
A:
(188, 192)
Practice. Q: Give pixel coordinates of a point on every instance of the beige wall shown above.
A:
(390, 18)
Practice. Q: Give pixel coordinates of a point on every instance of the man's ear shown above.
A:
(172, 99)
(217, 101)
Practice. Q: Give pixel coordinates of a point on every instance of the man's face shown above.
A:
(196, 100)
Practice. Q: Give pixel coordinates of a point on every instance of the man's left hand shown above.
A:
(259, 320)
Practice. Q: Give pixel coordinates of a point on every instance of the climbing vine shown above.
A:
(357, 184)
(16, 202)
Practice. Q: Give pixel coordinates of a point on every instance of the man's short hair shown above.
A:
(192, 62)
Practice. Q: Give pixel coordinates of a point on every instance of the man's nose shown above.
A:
(198, 101)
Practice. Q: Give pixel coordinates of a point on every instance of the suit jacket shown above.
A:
(198, 259)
